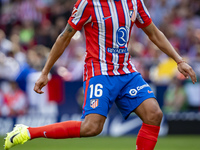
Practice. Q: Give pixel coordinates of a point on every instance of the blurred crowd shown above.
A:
(28, 29)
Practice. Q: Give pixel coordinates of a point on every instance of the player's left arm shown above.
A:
(159, 39)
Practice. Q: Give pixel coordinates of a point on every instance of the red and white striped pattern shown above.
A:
(104, 21)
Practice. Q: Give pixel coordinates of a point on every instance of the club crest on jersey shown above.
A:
(122, 36)
(74, 12)
(94, 103)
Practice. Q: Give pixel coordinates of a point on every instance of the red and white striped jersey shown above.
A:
(107, 25)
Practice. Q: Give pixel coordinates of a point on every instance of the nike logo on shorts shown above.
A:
(150, 92)
(11, 139)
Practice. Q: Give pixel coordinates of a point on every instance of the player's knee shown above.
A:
(95, 131)
(158, 115)
(155, 116)
(91, 129)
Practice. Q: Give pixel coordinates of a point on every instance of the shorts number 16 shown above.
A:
(96, 90)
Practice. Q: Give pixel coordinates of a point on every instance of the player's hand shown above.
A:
(40, 83)
(187, 71)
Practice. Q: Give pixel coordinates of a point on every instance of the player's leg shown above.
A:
(137, 96)
(100, 94)
(149, 111)
(22, 133)
(95, 110)
(91, 126)
(151, 115)
(61, 130)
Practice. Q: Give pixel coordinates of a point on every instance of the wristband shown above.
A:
(182, 61)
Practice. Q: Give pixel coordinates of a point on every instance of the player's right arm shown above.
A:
(80, 15)
(58, 48)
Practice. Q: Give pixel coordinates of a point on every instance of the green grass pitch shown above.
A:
(180, 142)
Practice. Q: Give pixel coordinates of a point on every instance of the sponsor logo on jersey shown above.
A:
(122, 39)
(122, 36)
(94, 103)
(117, 50)
(74, 12)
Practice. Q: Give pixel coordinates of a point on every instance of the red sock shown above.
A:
(147, 137)
(67, 129)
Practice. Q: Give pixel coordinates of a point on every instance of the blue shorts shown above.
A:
(127, 91)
